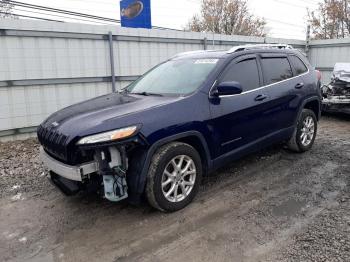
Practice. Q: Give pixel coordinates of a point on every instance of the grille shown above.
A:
(53, 142)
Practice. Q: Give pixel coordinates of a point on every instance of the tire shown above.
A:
(298, 143)
(163, 170)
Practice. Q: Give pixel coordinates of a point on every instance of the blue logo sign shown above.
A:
(135, 13)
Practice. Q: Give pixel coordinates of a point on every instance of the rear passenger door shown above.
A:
(238, 120)
(285, 89)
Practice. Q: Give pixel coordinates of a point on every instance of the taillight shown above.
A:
(318, 74)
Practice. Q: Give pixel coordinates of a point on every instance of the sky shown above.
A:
(285, 18)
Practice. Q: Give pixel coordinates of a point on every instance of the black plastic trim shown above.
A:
(141, 182)
(251, 147)
(307, 100)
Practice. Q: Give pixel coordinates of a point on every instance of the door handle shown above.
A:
(261, 97)
(299, 85)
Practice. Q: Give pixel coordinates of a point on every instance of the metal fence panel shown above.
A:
(46, 66)
(325, 53)
(27, 106)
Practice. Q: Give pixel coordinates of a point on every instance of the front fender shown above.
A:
(141, 160)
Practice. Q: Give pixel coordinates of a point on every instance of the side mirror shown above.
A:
(228, 88)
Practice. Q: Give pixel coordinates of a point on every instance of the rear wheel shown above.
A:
(174, 177)
(305, 132)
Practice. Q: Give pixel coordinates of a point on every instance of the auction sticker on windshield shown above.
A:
(206, 61)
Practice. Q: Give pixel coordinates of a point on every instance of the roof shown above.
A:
(235, 49)
(201, 54)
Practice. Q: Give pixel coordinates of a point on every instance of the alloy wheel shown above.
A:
(307, 131)
(178, 178)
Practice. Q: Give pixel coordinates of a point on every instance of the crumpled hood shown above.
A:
(341, 72)
(112, 111)
(342, 76)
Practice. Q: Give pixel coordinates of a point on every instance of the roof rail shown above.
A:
(258, 46)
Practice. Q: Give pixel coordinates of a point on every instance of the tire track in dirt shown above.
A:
(251, 210)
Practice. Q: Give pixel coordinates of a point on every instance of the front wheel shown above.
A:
(174, 177)
(305, 133)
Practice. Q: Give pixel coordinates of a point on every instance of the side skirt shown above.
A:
(254, 146)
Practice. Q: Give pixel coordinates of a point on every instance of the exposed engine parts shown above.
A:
(336, 95)
(112, 166)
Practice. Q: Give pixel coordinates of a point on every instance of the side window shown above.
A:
(276, 69)
(298, 65)
(245, 72)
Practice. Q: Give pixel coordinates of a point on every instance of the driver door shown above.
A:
(238, 120)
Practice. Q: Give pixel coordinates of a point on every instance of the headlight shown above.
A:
(108, 136)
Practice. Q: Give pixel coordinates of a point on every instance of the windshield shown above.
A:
(174, 77)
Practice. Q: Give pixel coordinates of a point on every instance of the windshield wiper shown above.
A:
(123, 91)
(146, 94)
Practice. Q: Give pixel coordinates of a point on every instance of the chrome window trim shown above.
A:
(249, 91)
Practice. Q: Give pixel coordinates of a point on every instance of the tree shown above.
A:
(330, 20)
(230, 17)
(6, 8)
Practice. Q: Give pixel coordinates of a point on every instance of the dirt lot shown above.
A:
(270, 206)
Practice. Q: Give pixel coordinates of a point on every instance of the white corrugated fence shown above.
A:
(46, 66)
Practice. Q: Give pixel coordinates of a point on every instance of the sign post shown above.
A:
(135, 13)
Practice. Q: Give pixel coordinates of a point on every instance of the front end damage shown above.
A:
(103, 168)
(336, 95)
(106, 174)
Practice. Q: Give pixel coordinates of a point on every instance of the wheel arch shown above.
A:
(313, 103)
(197, 144)
(193, 138)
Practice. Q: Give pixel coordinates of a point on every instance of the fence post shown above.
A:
(205, 43)
(307, 42)
(111, 58)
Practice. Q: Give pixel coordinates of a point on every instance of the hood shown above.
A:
(103, 113)
(341, 72)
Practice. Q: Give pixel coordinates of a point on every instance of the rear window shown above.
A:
(244, 72)
(298, 65)
(276, 69)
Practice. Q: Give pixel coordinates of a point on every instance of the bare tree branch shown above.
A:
(6, 9)
(330, 19)
(230, 17)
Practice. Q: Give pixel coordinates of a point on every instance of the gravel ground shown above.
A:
(20, 168)
(271, 206)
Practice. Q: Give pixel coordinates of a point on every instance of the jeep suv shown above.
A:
(183, 119)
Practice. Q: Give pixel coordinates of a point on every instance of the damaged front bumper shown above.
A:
(75, 173)
(105, 173)
(336, 104)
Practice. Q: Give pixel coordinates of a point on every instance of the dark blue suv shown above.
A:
(184, 118)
